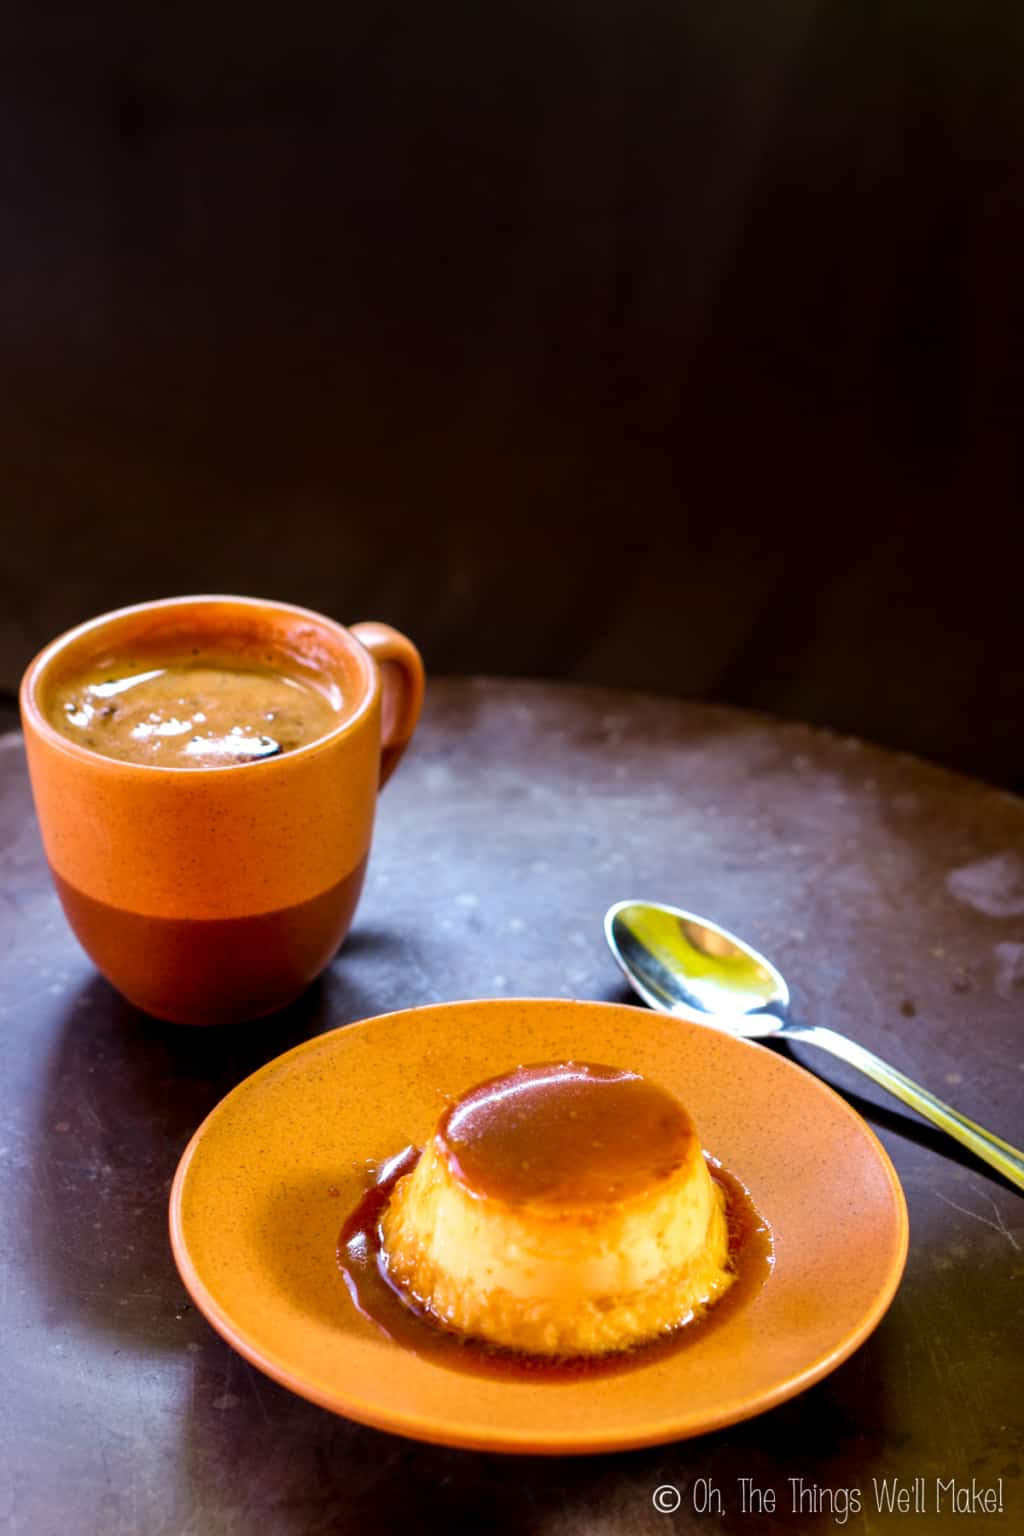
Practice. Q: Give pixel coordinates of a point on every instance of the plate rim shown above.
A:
(465, 1436)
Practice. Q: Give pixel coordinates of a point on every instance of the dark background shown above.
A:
(664, 345)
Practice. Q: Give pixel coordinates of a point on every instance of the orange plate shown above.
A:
(254, 1223)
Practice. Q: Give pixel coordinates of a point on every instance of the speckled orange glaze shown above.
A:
(211, 896)
(270, 1176)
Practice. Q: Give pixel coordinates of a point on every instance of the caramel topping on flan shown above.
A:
(566, 1134)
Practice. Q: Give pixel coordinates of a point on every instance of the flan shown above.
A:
(562, 1209)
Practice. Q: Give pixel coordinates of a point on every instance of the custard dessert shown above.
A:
(562, 1209)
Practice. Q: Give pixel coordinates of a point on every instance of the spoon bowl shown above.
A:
(686, 966)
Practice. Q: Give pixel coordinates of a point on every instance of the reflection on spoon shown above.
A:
(685, 965)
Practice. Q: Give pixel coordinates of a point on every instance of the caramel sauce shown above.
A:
(377, 1299)
(565, 1134)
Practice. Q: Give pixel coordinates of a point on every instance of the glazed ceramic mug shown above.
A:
(212, 895)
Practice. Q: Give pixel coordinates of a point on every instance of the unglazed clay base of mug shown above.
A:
(214, 970)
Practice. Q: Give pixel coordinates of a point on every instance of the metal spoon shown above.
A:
(684, 965)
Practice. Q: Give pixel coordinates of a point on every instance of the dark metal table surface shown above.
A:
(890, 893)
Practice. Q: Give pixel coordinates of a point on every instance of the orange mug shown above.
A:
(212, 895)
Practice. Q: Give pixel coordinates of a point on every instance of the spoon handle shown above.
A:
(1008, 1160)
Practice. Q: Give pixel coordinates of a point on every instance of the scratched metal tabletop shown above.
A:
(890, 893)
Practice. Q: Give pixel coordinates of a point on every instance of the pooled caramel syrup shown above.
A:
(565, 1133)
(381, 1302)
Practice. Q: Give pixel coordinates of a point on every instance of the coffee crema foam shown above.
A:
(192, 712)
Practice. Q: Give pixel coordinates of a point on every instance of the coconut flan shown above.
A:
(562, 1209)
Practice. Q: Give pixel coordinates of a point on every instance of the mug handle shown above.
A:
(402, 682)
